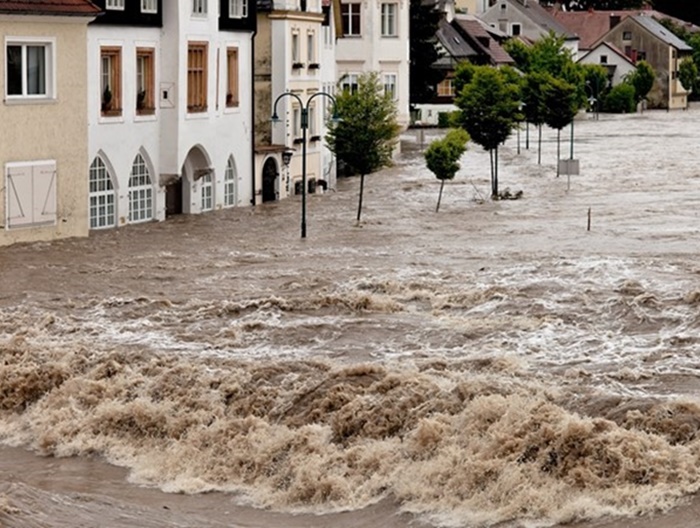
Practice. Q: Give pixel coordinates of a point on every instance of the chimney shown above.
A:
(614, 20)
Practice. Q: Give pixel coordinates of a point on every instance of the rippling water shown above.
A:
(496, 363)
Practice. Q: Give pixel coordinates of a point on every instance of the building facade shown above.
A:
(43, 161)
(170, 109)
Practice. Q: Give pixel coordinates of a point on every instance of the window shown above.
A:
(350, 15)
(102, 196)
(312, 121)
(111, 85)
(445, 88)
(140, 192)
(349, 82)
(515, 29)
(230, 183)
(149, 6)
(390, 85)
(232, 77)
(117, 5)
(310, 48)
(145, 81)
(197, 77)
(389, 20)
(626, 35)
(29, 72)
(237, 8)
(296, 60)
(296, 122)
(199, 7)
(603, 59)
(31, 194)
(207, 193)
(641, 55)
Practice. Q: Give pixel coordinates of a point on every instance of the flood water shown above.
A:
(513, 363)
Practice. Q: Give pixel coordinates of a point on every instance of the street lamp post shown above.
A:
(304, 128)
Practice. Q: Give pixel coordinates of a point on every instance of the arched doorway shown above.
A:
(178, 194)
(270, 180)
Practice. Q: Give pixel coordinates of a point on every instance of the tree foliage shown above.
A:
(620, 99)
(423, 78)
(688, 73)
(367, 133)
(442, 157)
(642, 80)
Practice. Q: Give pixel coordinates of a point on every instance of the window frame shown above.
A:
(232, 77)
(445, 88)
(101, 200)
(141, 192)
(385, 82)
(230, 183)
(112, 107)
(153, 9)
(199, 96)
(311, 48)
(350, 81)
(49, 73)
(200, 8)
(146, 55)
(351, 16)
(237, 8)
(389, 18)
(206, 188)
(115, 5)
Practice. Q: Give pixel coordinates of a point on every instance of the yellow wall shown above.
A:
(54, 130)
(468, 6)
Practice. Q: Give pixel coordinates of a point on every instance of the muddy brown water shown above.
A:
(494, 364)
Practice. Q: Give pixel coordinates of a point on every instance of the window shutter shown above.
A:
(19, 196)
(45, 193)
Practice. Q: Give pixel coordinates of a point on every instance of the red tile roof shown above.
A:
(591, 25)
(49, 7)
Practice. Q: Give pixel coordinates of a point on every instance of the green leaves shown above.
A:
(442, 155)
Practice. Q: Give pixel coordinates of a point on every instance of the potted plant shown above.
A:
(106, 99)
(141, 100)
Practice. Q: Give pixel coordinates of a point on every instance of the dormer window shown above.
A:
(149, 6)
(116, 5)
(515, 29)
(199, 7)
(237, 8)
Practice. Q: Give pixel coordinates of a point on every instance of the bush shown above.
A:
(620, 100)
(446, 119)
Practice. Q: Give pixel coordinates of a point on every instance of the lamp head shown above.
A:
(275, 118)
(287, 156)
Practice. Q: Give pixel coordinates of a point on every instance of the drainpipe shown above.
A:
(252, 107)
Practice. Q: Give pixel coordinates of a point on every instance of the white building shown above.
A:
(375, 37)
(169, 109)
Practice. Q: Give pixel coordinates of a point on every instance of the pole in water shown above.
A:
(589, 219)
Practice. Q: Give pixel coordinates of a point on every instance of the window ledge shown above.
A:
(12, 101)
(145, 112)
(390, 36)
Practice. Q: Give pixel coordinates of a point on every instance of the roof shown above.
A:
(49, 7)
(661, 32)
(483, 40)
(453, 42)
(540, 16)
(612, 48)
(591, 25)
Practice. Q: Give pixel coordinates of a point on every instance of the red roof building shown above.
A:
(49, 7)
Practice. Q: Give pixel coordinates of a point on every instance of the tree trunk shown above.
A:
(539, 145)
(359, 205)
(495, 172)
(442, 184)
(527, 135)
(492, 170)
(558, 149)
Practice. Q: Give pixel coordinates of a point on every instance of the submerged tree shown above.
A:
(642, 79)
(534, 105)
(365, 136)
(442, 157)
(423, 52)
(561, 106)
(688, 75)
(488, 112)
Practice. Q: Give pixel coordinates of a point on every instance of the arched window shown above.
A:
(230, 183)
(102, 196)
(207, 192)
(140, 192)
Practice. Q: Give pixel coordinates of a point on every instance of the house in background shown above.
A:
(528, 20)
(461, 38)
(293, 66)
(375, 37)
(613, 60)
(170, 109)
(43, 152)
(641, 37)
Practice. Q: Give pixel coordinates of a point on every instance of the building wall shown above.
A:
(50, 130)
(667, 91)
(471, 7)
(623, 67)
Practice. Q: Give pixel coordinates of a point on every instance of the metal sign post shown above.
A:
(569, 167)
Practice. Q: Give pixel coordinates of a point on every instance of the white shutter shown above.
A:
(19, 196)
(44, 202)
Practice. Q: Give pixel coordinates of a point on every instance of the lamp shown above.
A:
(287, 156)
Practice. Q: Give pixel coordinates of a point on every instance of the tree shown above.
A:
(534, 106)
(442, 157)
(620, 99)
(367, 133)
(596, 84)
(423, 26)
(561, 105)
(488, 112)
(642, 79)
(688, 74)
